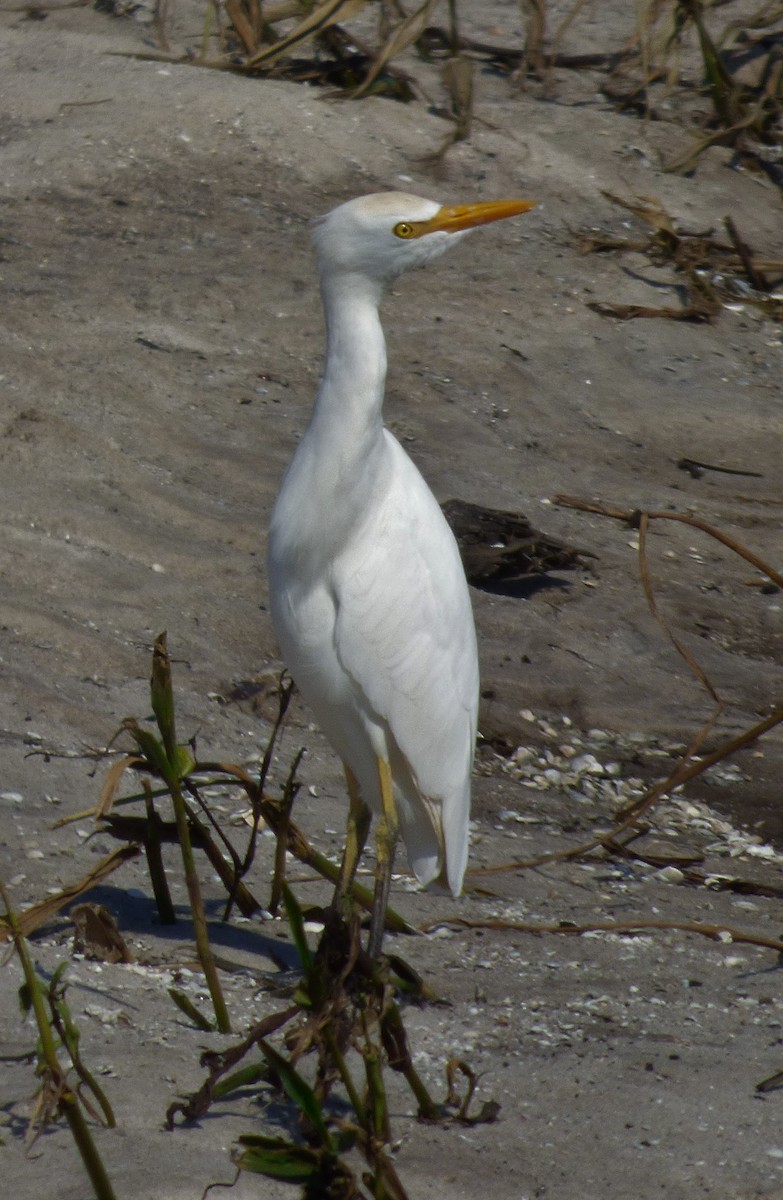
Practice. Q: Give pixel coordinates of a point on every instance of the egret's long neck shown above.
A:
(343, 448)
(351, 394)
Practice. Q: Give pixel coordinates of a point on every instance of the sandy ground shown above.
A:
(161, 345)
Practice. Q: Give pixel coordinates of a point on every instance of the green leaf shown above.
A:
(183, 762)
(410, 982)
(296, 921)
(263, 1140)
(254, 1073)
(25, 998)
(71, 1033)
(278, 1159)
(150, 748)
(154, 753)
(57, 974)
(297, 1089)
(162, 695)
(186, 1005)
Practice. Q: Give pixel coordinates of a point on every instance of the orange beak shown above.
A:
(453, 217)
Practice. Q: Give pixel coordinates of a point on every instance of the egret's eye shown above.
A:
(404, 230)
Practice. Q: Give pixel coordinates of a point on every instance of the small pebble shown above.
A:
(767, 852)
(587, 764)
(670, 875)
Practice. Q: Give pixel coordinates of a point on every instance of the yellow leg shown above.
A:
(359, 818)
(386, 839)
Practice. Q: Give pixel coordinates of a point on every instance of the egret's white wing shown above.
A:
(405, 635)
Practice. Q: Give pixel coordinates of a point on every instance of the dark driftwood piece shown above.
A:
(503, 547)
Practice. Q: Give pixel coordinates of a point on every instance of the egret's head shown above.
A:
(381, 236)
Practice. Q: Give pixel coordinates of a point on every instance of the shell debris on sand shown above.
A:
(596, 769)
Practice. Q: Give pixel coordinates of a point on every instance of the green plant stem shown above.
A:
(152, 848)
(173, 762)
(200, 932)
(93, 1163)
(84, 1074)
(31, 979)
(67, 1100)
(378, 1108)
(186, 1005)
(338, 1058)
(427, 1107)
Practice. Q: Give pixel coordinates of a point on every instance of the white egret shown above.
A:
(368, 595)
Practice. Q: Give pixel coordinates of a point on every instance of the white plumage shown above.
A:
(368, 595)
